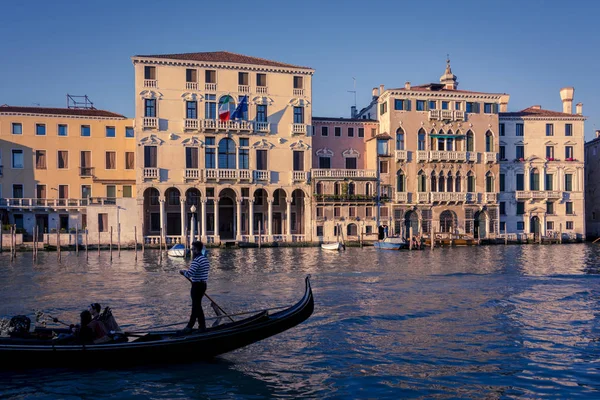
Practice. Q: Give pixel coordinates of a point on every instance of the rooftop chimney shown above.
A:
(504, 103)
(407, 86)
(374, 93)
(537, 107)
(353, 112)
(566, 95)
(579, 108)
(381, 89)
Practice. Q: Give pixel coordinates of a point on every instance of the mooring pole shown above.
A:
(135, 240)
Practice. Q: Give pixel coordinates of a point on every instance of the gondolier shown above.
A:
(198, 275)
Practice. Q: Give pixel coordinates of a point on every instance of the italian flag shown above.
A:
(224, 109)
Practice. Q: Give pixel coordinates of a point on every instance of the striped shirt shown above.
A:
(198, 270)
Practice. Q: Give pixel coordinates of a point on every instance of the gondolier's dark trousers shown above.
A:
(197, 293)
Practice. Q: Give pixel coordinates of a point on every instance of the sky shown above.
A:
(529, 49)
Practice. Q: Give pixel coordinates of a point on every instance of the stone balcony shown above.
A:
(402, 197)
(401, 155)
(262, 90)
(300, 176)
(227, 174)
(471, 156)
(422, 156)
(262, 176)
(150, 83)
(537, 194)
(215, 125)
(447, 156)
(446, 115)
(191, 86)
(212, 87)
(298, 129)
(150, 173)
(194, 174)
(150, 123)
(423, 197)
(298, 92)
(491, 197)
(244, 89)
(491, 157)
(343, 173)
(448, 197)
(45, 203)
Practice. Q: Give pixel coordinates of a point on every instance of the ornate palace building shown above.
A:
(224, 138)
(542, 170)
(63, 168)
(437, 152)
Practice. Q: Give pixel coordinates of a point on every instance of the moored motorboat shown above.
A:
(39, 349)
(177, 250)
(390, 243)
(335, 246)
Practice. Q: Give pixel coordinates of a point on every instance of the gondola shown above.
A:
(37, 350)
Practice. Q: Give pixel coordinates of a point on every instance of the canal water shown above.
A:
(480, 322)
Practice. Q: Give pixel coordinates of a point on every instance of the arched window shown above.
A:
(457, 183)
(470, 182)
(351, 189)
(433, 182)
(421, 182)
(449, 183)
(337, 188)
(446, 221)
(441, 141)
(400, 139)
(470, 141)
(489, 182)
(227, 154)
(489, 142)
(400, 181)
(450, 144)
(226, 107)
(441, 183)
(368, 189)
(319, 188)
(534, 180)
(421, 138)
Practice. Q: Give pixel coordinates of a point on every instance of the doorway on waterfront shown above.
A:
(411, 220)
(277, 223)
(226, 218)
(173, 211)
(41, 220)
(173, 224)
(447, 221)
(479, 225)
(351, 231)
(534, 226)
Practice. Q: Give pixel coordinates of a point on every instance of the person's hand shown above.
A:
(182, 272)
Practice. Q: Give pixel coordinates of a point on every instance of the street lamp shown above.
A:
(192, 224)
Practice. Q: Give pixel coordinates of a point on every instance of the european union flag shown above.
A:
(241, 109)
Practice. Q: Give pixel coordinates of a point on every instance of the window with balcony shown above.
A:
(227, 154)
(520, 151)
(550, 152)
(337, 131)
(568, 129)
(432, 104)
(40, 192)
(17, 159)
(191, 157)
(63, 191)
(520, 207)
(150, 108)
(400, 139)
(111, 132)
(470, 183)
(40, 129)
(569, 208)
(502, 130)
(149, 72)
(324, 162)
(244, 154)
(62, 130)
(421, 182)
(502, 182)
(549, 129)
(298, 160)
(520, 181)
(40, 159)
(350, 162)
(534, 179)
(191, 109)
(17, 128)
(261, 80)
(350, 132)
(421, 105)
(324, 131)
(502, 149)
(445, 105)
(129, 133)
(210, 106)
(549, 181)
(502, 208)
(86, 131)
(243, 79)
(550, 207)
(568, 182)
(361, 132)
(421, 140)
(568, 152)
(111, 160)
(18, 191)
(210, 76)
(298, 115)
(298, 82)
(489, 183)
(400, 182)
(191, 75)
(489, 142)
(129, 160)
(62, 159)
(470, 141)
(261, 160)
(520, 130)
(150, 157)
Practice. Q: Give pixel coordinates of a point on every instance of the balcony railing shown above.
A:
(262, 176)
(447, 115)
(191, 85)
(354, 198)
(434, 114)
(218, 125)
(401, 197)
(262, 90)
(298, 92)
(491, 157)
(191, 124)
(447, 156)
(471, 156)
(243, 89)
(459, 115)
(344, 173)
(448, 197)
(300, 176)
(86, 171)
(401, 155)
(423, 197)
(192, 173)
(150, 83)
(210, 86)
(150, 173)
(472, 197)
(234, 174)
(262, 127)
(298, 129)
(421, 155)
(491, 197)
(150, 122)
(537, 194)
(32, 203)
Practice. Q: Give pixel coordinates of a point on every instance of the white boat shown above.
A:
(178, 250)
(336, 246)
(390, 243)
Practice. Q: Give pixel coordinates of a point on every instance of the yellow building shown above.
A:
(62, 168)
(235, 174)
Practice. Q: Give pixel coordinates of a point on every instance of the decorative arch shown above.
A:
(319, 188)
(192, 142)
(448, 221)
(172, 196)
(350, 153)
(151, 140)
(489, 141)
(470, 138)
(400, 181)
(368, 189)
(324, 152)
(400, 145)
(351, 230)
(189, 96)
(150, 94)
(227, 154)
(262, 101)
(192, 197)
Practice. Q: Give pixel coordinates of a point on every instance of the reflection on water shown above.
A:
(514, 321)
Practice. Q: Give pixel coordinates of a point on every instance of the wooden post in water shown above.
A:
(119, 239)
(77, 240)
(1, 239)
(110, 245)
(143, 240)
(505, 237)
(432, 235)
(560, 233)
(35, 229)
(12, 253)
(410, 241)
(58, 242)
(160, 245)
(98, 240)
(15, 246)
(86, 243)
(259, 233)
(135, 240)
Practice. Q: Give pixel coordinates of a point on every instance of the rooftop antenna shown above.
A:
(353, 91)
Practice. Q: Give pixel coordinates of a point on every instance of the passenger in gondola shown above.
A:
(92, 330)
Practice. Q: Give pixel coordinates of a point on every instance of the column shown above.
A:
(288, 219)
(183, 219)
(216, 214)
(161, 200)
(526, 178)
(203, 223)
(238, 225)
(580, 179)
(561, 180)
(270, 221)
(543, 227)
(307, 228)
(251, 219)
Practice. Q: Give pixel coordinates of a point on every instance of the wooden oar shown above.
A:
(208, 297)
